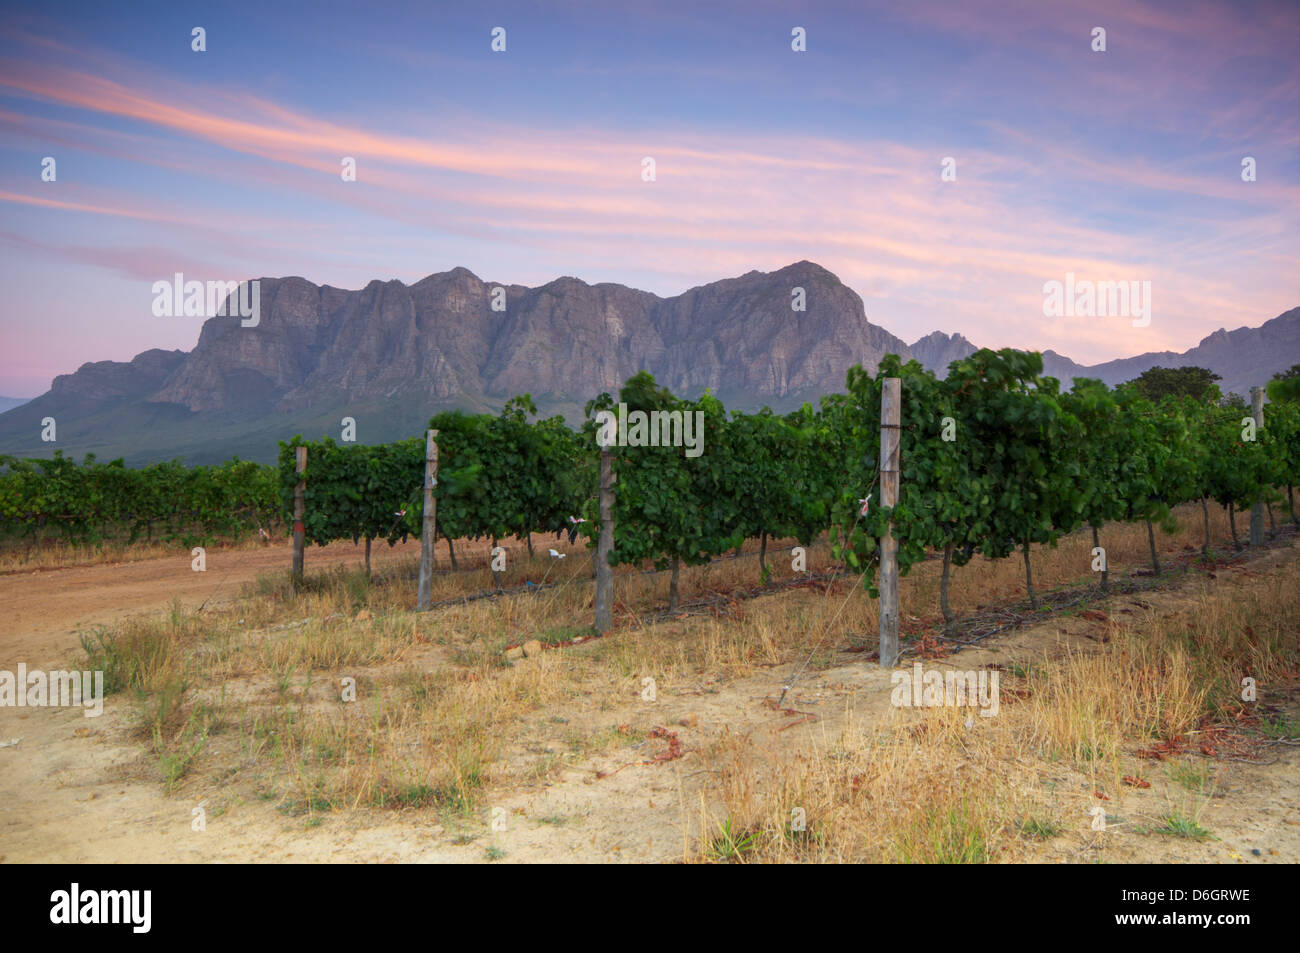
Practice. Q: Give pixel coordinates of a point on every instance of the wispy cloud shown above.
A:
(1071, 177)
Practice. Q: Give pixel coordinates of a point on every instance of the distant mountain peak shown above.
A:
(940, 337)
(937, 350)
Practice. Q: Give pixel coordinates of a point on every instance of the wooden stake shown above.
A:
(1257, 510)
(299, 511)
(429, 523)
(605, 546)
(889, 423)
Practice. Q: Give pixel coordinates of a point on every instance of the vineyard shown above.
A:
(91, 502)
(995, 458)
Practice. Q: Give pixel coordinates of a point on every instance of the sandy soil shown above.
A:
(43, 609)
(68, 791)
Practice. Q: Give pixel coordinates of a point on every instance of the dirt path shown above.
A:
(42, 610)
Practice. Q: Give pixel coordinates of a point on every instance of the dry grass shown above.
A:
(930, 787)
(253, 695)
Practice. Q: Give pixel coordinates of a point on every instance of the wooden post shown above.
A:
(889, 422)
(299, 511)
(429, 526)
(1257, 510)
(605, 546)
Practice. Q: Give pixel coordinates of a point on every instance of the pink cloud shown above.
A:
(974, 254)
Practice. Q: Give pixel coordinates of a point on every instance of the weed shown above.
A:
(1177, 824)
(1040, 828)
(731, 845)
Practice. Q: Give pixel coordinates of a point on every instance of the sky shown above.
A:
(527, 164)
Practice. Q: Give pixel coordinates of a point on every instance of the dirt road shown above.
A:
(41, 611)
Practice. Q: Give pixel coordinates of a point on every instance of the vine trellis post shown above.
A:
(299, 511)
(429, 523)
(605, 546)
(889, 428)
(1257, 509)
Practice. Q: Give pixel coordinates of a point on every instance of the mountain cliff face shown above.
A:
(104, 380)
(390, 355)
(441, 339)
(395, 353)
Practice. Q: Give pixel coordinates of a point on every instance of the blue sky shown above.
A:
(525, 165)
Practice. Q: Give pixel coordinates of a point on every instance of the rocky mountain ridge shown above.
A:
(391, 354)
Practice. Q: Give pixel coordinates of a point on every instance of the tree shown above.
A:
(356, 491)
(765, 480)
(1160, 382)
(1237, 470)
(1285, 386)
(1118, 457)
(669, 507)
(462, 486)
(944, 501)
(1021, 442)
(1173, 453)
(1281, 435)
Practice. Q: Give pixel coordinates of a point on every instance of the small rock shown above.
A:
(532, 648)
(515, 653)
(689, 721)
(1257, 852)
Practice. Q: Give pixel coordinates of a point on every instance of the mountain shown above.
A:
(937, 350)
(390, 355)
(1243, 358)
